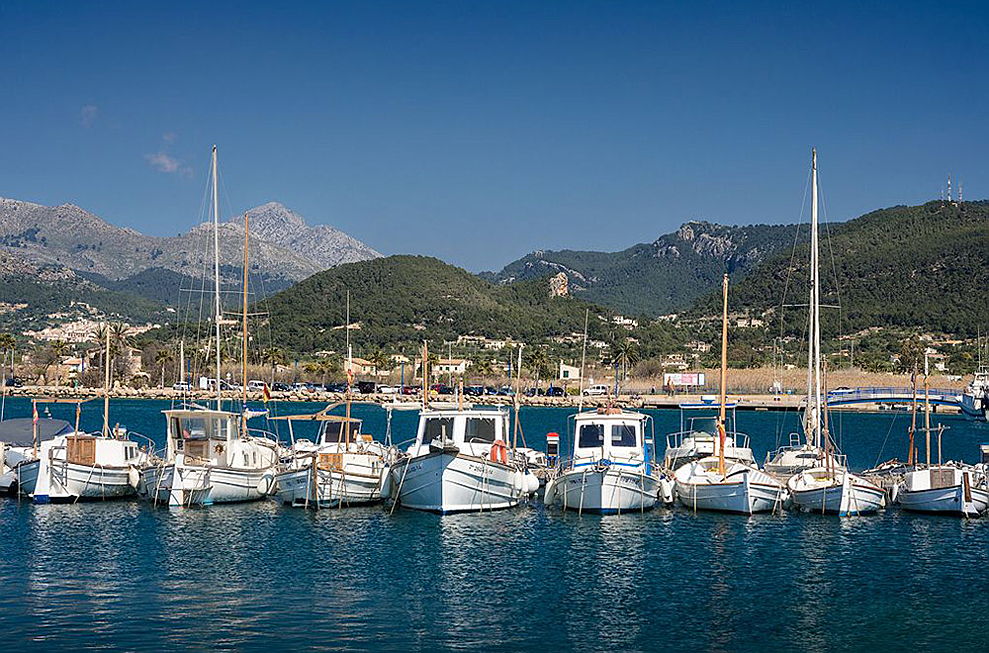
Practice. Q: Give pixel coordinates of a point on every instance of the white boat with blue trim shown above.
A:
(613, 467)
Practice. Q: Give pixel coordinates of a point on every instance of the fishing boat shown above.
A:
(820, 480)
(341, 467)
(942, 488)
(698, 437)
(460, 461)
(212, 456)
(613, 467)
(975, 397)
(18, 446)
(714, 483)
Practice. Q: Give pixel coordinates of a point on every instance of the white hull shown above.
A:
(607, 491)
(447, 482)
(178, 485)
(26, 476)
(947, 501)
(75, 482)
(327, 488)
(845, 495)
(743, 495)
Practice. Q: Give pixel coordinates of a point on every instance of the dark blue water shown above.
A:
(125, 576)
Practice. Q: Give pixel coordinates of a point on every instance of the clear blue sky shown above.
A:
(479, 131)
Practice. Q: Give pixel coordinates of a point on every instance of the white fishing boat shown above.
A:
(715, 483)
(341, 467)
(210, 458)
(461, 462)
(613, 467)
(698, 437)
(945, 489)
(18, 446)
(820, 481)
(975, 397)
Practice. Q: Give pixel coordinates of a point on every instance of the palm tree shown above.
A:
(624, 355)
(7, 343)
(162, 358)
(382, 362)
(539, 364)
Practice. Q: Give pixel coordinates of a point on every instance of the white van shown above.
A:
(596, 390)
(254, 384)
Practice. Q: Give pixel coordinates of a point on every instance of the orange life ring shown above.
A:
(499, 452)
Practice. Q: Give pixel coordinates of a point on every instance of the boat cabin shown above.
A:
(472, 431)
(613, 435)
(201, 433)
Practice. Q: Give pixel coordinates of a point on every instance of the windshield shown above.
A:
(591, 435)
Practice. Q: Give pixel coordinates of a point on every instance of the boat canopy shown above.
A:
(19, 432)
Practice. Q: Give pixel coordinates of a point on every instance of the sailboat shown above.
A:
(342, 467)
(698, 437)
(950, 489)
(820, 481)
(613, 468)
(77, 466)
(460, 461)
(212, 456)
(714, 483)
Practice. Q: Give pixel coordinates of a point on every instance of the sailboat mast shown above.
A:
(106, 387)
(243, 334)
(216, 277)
(583, 362)
(723, 390)
(913, 414)
(813, 416)
(927, 411)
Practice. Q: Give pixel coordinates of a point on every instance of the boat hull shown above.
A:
(845, 496)
(446, 482)
(69, 482)
(177, 485)
(741, 496)
(608, 491)
(327, 488)
(949, 500)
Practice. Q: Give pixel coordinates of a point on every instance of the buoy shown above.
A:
(531, 482)
(499, 452)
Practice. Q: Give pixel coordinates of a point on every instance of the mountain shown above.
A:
(921, 266)
(664, 276)
(405, 299)
(283, 246)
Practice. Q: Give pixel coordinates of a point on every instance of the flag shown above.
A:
(266, 393)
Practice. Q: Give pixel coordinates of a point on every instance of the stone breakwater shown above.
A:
(632, 401)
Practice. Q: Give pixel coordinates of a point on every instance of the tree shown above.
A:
(7, 343)
(162, 358)
(623, 356)
(539, 363)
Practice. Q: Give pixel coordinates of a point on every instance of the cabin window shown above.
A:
(623, 435)
(337, 431)
(591, 435)
(480, 430)
(436, 426)
(189, 428)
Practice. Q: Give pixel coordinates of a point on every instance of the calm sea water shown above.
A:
(125, 576)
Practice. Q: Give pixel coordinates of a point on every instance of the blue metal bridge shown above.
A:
(889, 395)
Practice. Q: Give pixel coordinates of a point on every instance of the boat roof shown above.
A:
(610, 413)
(199, 411)
(19, 431)
(475, 411)
(705, 405)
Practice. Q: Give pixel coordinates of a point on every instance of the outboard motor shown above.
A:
(552, 449)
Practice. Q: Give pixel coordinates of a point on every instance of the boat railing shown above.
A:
(150, 448)
(675, 440)
(796, 442)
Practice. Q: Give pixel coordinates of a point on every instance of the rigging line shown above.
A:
(883, 447)
(834, 267)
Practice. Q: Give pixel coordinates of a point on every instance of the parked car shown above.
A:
(366, 387)
(555, 391)
(490, 390)
(278, 386)
(442, 389)
(336, 387)
(534, 392)
(388, 389)
(255, 384)
(410, 390)
(596, 390)
(182, 386)
(506, 391)
(474, 390)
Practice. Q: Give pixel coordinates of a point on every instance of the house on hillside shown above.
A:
(568, 372)
(360, 367)
(454, 366)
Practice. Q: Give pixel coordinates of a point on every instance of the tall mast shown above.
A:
(813, 414)
(913, 414)
(723, 391)
(583, 361)
(106, 387)
(927, 411)
(243, 326)
(216, 278)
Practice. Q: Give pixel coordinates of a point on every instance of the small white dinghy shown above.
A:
(343, 467)
(613, 468)
(461, 462)
(944, 489)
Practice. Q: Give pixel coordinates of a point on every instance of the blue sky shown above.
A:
(479, 131)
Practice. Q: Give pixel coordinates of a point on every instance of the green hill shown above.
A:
(664, 276)
(907, 266)
(405, 299)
